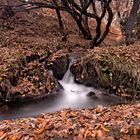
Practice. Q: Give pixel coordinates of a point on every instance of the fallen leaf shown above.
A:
(16, 136)
(99, 134)
(40, 130)
(87, 132)
(1, 133)
(138, 114)
(105, 129)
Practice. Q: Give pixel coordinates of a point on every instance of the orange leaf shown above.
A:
(135, 131)
(99, 134)
(87, 132)
(15, 136)
(105, 129)
(138, 114)
(40, 130)
(1, 133)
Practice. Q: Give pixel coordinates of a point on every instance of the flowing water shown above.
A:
(73, 96)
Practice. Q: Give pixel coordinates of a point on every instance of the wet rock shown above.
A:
(91, 93)
(10, 97)
(59, 66)
(58, 87)
(112, 90)
(4, 90)
(4, 108)
(1, 99)
(84, 74)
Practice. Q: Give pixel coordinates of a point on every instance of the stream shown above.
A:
(73, 96)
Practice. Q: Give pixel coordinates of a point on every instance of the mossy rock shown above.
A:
(105, 73)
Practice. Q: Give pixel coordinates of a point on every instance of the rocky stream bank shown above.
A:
(29, 50)
(106, 67)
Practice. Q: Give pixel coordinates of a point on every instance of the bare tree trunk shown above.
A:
(86, 26)
(61, 27)
(82, 28)
(131, 21)
(85, 20)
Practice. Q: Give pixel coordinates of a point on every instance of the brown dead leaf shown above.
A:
(42, 128)
(15, 136)
(136, 130)
(99, 108)
(99, 134)
(104, 128)
(87, 133)
(73, 114)
(79, 137)
(1, 133)
(63, 114)
(138, 114)
(109, 138)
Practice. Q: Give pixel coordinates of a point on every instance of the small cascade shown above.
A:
(73, 96)
(70, 86)
(68, 78)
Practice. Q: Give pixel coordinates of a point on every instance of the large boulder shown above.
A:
(84, 74)
(58, 64)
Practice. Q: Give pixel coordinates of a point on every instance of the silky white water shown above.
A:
(73, 96)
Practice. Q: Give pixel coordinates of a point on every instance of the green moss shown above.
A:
(104, 62)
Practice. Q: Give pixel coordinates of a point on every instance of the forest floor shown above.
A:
(34, 34)
(103, 123)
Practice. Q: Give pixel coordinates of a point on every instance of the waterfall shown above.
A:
(73, 96)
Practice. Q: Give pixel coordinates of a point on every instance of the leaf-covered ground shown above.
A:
(23, 36)
(108, 123)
